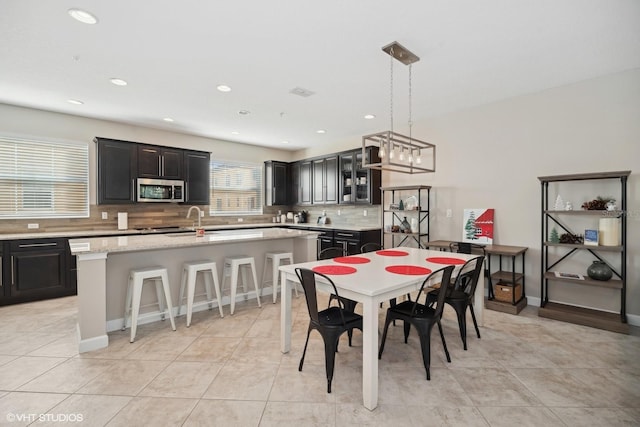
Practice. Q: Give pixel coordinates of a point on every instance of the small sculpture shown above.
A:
(568, 207)
(559, 206)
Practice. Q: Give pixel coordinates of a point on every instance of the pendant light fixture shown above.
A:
(420, 156)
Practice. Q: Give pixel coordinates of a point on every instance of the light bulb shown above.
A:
(392, 152)
(381, 152)
(419, 158)
(410, 158)
(402, 154)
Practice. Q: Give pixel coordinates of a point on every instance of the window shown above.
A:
(41, 179)
(236, 187)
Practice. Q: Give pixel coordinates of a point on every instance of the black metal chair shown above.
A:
(328, 253)
(459, 295)
(331, 323)
(370, 247)
(422, 317)
(348, 304)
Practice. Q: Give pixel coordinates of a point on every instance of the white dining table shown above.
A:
(370, 279)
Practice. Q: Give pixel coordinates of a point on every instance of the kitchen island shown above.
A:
(103, 266)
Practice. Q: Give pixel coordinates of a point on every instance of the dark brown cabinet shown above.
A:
(197, 177)
(35, 269)
(359, 185)
(325, 180)
(352, 241)
(117, 170)
(276, 187)
(159, 162)
(301, 180)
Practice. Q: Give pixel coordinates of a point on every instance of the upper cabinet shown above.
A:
(120, 163)
(301, 183)
(359, 184)
(117, 171)
(325, 180)
(276, 183)
(197, 177)
(336, 179)
(159, 162)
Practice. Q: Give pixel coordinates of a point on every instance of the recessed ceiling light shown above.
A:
(168, 119)
(235, 133)
(74, 102)
(369, 116)
(118, 82)
(244, 112)
(321, 131)
(285, 142)
(82, 16)
(224, 88)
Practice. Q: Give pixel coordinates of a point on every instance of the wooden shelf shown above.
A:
(505, 307)
(506, 276)
(611, 284)
(595, 247)
(593, 212)
(584, 316)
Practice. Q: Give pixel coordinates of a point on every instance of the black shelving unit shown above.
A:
(553, 254)
(390, 217)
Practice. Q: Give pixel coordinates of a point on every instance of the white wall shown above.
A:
(19, 121)
(490, 157)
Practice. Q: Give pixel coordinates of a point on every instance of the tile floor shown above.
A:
(525, 371)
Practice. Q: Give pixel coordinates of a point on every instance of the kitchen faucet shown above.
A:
(199, 214)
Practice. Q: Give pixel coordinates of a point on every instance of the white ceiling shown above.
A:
(174, 53)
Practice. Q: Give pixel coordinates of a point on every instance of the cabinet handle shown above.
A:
(0, 272)
(345, 234)
(160, 166)
(37, 245)
(12, 281)
(133, 190)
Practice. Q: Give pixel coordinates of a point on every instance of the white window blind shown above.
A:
(40, 179)
(236, 188)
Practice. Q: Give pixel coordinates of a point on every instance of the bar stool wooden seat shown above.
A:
(190, 272)
(239, 264)
(137, 278)
(276, 259)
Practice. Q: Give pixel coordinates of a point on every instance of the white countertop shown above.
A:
(132, 232)
(134, 243)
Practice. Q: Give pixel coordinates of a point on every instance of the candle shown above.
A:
(609, 231)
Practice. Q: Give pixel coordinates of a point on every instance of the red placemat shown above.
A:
(445, 260)
(352, 260)
(408, 270)
(334, 269)
(392, 253)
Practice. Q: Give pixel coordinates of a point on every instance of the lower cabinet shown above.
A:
(352, 241)
(36, 269)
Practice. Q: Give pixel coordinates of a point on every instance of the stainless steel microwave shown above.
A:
(160, 190)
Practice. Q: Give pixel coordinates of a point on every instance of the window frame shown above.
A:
(68, 166)
(233, 184)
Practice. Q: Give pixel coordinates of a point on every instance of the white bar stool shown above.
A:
(190, 271)
(232, 265)
(276, 259)
(137, 278)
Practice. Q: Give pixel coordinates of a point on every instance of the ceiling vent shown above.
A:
(305, 93)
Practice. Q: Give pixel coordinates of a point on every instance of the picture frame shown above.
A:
(591, 237)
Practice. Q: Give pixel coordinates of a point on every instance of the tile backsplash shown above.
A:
(153, 215)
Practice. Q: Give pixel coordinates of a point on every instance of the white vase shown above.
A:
(414, 225)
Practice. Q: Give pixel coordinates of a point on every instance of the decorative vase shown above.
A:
(599, 270)
(406, 227)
